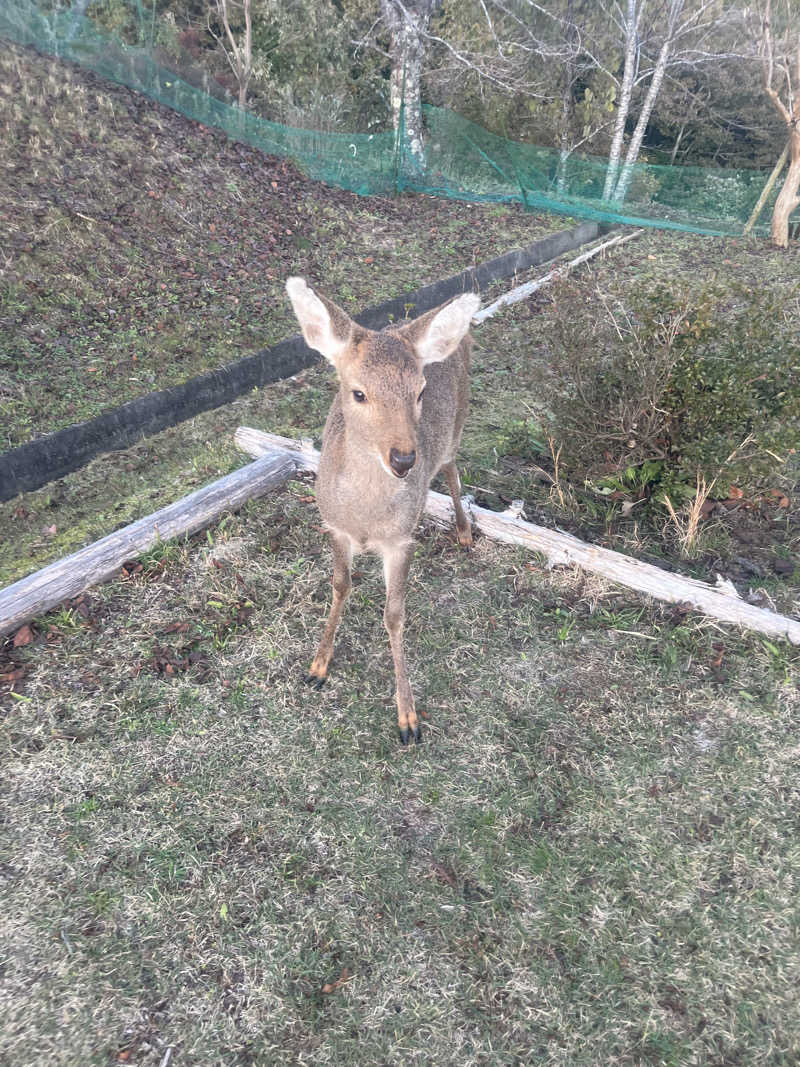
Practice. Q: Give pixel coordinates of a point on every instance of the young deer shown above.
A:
(394, 424)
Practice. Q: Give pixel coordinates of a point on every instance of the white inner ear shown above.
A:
(447, 329)
(314, 319)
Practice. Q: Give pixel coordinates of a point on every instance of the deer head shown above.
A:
(381, 375)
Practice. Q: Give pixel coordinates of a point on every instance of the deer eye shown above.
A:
(419, 398)
(358, 396)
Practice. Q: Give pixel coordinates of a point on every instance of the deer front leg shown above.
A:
(463, 528)
(342, 584)
(396, 562)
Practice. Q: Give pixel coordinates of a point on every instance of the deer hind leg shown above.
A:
(342, 584)
(463, 529)
(396, 562)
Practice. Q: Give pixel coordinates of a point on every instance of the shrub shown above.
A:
(674, 388)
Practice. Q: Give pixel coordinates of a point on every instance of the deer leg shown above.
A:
(342, 584)
(463, 528)
(396, 562)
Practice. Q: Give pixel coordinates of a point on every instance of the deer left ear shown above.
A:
(439, 332)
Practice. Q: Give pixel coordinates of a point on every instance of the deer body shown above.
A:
(394, 424)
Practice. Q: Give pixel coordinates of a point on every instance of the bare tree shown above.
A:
(575, 42)
(238, 49)
(408, 22)
(628, 23)
(780, 60)
(680, 34)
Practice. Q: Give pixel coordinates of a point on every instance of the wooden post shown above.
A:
(565, 550)
(100, 561)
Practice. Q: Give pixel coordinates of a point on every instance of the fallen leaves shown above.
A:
(23, 636)
(345, 977)
(11, 677)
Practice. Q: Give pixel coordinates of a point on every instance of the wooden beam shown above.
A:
(522, 292)
(565, 550)
(100, 561)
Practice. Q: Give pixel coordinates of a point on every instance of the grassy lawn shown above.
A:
(592, 859)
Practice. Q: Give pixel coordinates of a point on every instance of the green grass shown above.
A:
(592, 858)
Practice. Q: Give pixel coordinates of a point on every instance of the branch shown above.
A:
(565, 550)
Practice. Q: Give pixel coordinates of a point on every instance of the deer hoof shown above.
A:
(465, 537)
(313, 681)
(406, 733)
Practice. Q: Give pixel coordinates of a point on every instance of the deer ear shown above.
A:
(325, 326)
(439, 332)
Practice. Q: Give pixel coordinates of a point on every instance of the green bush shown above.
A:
(674, 387)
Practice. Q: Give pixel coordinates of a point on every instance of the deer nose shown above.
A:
(402, 462)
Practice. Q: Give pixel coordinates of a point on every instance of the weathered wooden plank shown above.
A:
(565, 550)
(522, 292)
(101, 560)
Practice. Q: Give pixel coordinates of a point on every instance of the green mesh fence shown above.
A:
(462, 161)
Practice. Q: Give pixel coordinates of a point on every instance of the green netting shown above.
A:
(462, 160)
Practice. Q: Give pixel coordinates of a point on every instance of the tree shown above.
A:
(681, 35)
(780, 58)
(238, 50)
(408, 22)
(612, 54)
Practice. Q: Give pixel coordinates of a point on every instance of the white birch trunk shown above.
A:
(644, 117)
(408, 25)
(625, 93)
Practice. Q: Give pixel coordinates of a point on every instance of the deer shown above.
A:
(394, 424)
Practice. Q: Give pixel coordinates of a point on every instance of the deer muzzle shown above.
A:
(401, 462)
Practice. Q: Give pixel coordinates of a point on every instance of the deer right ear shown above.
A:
(325, 326)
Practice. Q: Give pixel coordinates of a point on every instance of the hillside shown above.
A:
(141, 249)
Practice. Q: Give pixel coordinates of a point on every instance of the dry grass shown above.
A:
(687, 524)
(590, 859)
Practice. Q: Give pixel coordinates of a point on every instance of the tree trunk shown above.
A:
(624, 103)
(644, 117)
(675, 11)
(408, 24)
(767, 189)
(677, 145)
(788, 199)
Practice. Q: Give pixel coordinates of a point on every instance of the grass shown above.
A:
(101, 184)
(591, 858)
